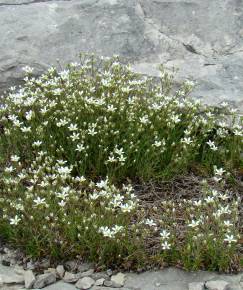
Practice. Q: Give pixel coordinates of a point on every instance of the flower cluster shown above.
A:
(69, 140)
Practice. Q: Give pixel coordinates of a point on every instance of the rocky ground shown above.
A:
(203, 39)
(16, 275)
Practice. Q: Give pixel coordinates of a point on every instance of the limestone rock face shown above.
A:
(203, 39)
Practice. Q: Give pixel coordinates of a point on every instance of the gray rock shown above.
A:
(51, 270)
(11, 278)
(71, 265)
(85, 283)
(99, 282)
(85, 267)
(217, 285)
(109, 272)
(29, 279)
(86, 273)
(146, 32)
(107, 283)
(44, 280)
(118, 280)
(44, 264)
(196, 286)
(70, 277)
(60, 271)
(99, 275)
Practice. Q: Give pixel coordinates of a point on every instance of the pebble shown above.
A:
(109, 272)
(99, 275)
(71, 266)
(85, 267)
(107, 283)
(51, 270)
(70, 277)
(60, 271)
(29, 279)
(99, 282)
(85, 274)
(12, 278)
(85, 283)
(217, 285)
(118, 280)
(44, 280)
(196, 286)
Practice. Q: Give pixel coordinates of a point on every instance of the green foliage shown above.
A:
(67, 137)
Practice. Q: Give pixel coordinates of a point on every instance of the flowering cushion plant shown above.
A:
(70, 142)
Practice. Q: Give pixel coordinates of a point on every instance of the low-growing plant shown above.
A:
(202, 233)
(106, 120)
(70, 141)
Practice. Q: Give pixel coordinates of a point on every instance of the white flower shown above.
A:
(209, 199)
(164, 234)
(106, 232)
(165, 245)
(187, 140)
(29, 115)
(80, 147)
(25, 129)
(39, 201)
(74, 136)
(9, 169)
(230, 239)
(144, 119)
(73, 127)
(238, 132)
(150, 222)
(80, 179)
(189, 83)
(14, 221)
(218, 171)
(37, 143)
(102, 184)
(28, 69)
(64, 170)
(91, 131)
(194, 224)
(64, 74)
(62, 203)
(15, 158)
(175, 119)
(212, 145)
(228, 223)
(157, 143)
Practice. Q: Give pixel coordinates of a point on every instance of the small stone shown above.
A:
(196, 286)
(30, 265)
(99, 282)
(99, 275)
(44, 280)
(109, 272)
(85, 267)
(216, 285)
(85, 283)
(70, 277)
(118, 280)
(71, 266)
(12, 278)
(85, 274)
(44, 264)
(60, 271)
(51, 270)
(29, 279)
(19, 270)
(107, 283)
